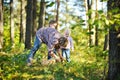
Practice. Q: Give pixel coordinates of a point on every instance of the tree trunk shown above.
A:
(34, 27)
(42, 14)
(93, 19)
(106, 42)
(29, 24)
(89, 25)
(22, 31)
(57, 15)
(114, 45)
(1, 25)
(114, 56)
(66, 20)
(11, 24)
(96, 27)
(86, 10)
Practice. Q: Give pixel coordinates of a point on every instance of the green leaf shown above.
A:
(50, 4)
(89, 12)
(111, 21)
(90, 33)
(90, 21)
(101, 23)
(96, 22)
(106, 22)
(100, 11)
(116, 16)
(117, 27)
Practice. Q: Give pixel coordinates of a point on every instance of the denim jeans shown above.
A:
(37, 44)
(66, 54)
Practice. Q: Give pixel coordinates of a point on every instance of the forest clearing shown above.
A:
(83, 66)
(94, 28)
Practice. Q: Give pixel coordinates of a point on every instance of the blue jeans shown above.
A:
(37, 44)
(66, 54)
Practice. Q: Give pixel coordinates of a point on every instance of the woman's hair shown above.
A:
(63, 41)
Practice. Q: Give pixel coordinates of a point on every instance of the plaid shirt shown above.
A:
(49, 36)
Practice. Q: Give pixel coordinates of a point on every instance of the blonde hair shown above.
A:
(67, 32)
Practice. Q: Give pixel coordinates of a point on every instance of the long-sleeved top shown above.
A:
(49, 36)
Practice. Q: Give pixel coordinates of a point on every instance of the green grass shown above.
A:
(86, 64)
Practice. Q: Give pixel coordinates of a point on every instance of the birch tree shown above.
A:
(1, 25)
(22, 20)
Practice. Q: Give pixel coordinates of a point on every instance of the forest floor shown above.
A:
(82, 67)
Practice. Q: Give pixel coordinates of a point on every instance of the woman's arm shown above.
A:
(52, 54)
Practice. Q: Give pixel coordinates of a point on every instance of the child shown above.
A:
(66, 50)
(49, 36)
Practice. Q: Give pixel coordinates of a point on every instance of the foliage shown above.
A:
(87, 63)
(104, 21)
(14, 67)
(114, 19)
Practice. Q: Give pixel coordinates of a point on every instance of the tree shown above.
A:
(1, 25)
(22, 27)
(86, 3)
(11, 23)
(29, 23)
(106, 42)
(114, 42)
(92, 8)
(89, 25)
(94, 29)
(57, 12)
(96, 26)
(42, 14)
(34, 27)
